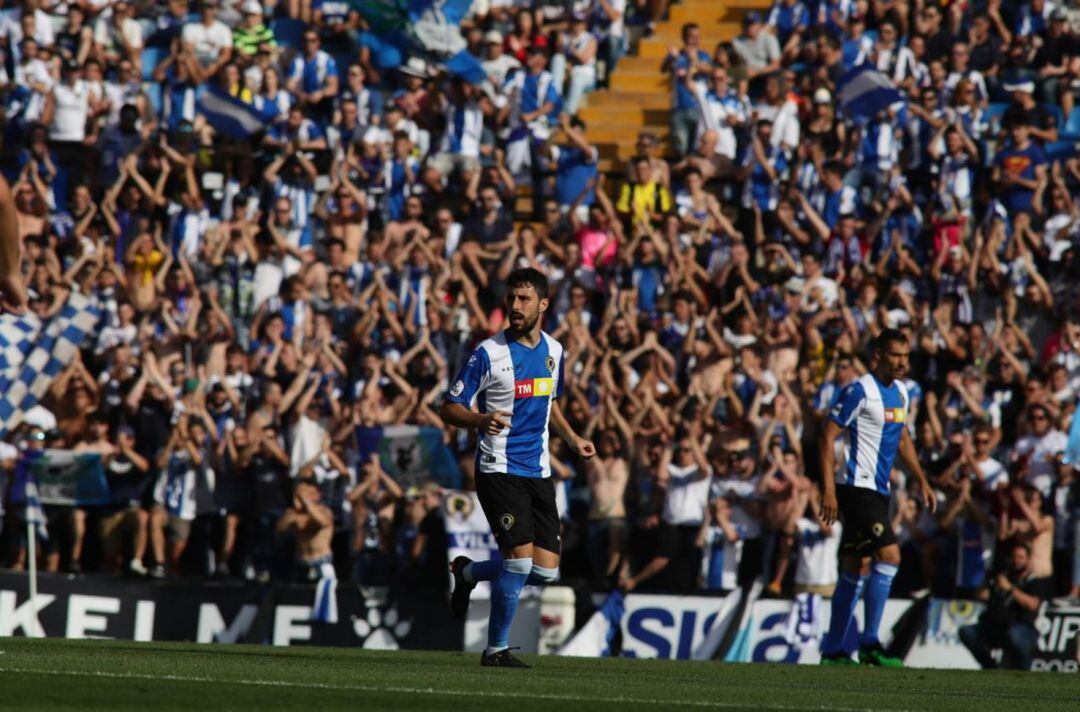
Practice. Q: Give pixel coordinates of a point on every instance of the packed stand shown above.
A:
(263, 298)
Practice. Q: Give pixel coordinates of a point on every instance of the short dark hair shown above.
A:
(528, 277)
(886, 337)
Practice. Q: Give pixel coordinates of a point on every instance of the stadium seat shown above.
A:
(1071, 130)
(153, 95)
(1060, 150)
(994, 112)
(288, 32)
(151, 57)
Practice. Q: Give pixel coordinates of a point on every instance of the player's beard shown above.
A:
(526, 327)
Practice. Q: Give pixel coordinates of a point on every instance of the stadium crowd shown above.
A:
(260, 299)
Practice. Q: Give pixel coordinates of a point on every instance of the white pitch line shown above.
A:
(414, 690)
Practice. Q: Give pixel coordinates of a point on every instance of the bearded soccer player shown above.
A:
(515, 378)
(873, 412)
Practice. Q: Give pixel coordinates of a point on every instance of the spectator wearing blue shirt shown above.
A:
(336, 20)
(1020, 172)
(575, 166)
(647, 274)
(789, 18)
(313, 77)
(690, 60)
(303, 132)
(762, 168)
(532, 101)
(292, 175)
(369, 103)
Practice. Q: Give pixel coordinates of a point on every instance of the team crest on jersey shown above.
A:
(550, 363)
(878, 529)
(506, 521)
(895, 415)
(457, 389)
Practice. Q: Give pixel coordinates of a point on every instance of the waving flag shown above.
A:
(232, 117)
(411, 454)
(383, 16)
(595, 637)
(864, 92)
(1072, 449)
(32, 354)
(35, 515)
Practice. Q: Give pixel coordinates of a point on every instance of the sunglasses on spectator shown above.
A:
(1038, 416)
(739, 454)
(982, 441)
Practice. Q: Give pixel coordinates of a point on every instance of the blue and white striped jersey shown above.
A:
(874, 415)
(511, 377)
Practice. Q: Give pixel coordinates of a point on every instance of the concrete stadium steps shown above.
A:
(640, 96)
(600, 117)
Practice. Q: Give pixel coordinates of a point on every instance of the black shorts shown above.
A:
(865, 516)
(520, 510)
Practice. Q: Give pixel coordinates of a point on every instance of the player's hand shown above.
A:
(585, 449)
(12, 294)
(928, 496)
(626, 584)
(828, 507)
(495, 422)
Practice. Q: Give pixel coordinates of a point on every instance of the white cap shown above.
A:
(252, 7)
(822, 96)
(1027, 87)
(39, 416)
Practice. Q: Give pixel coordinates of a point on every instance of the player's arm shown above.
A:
(457, 409)
(910, 458)
(583, 447)
(12, 290)
(828, 471)
(843, 414)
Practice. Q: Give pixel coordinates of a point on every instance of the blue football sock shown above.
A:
(844, 600)
(482, 570)
(504, 601)
(541, 575)
(877, 593)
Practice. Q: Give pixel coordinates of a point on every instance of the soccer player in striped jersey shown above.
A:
(872, 412)
(514, 377)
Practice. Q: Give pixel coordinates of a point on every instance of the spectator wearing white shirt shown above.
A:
(684, 474)
(758, 48)
(781, 111)
(498, 64)
(118, 35)
(27, 21)
(67, 107)
(33, 73)
(818, 544)
(574, 68)
(209, 40)
(991, 473)
(1037, 450)
(721, 110)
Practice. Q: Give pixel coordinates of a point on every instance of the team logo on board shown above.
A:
(550, 363)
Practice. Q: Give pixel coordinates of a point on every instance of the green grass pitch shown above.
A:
(92, 674)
